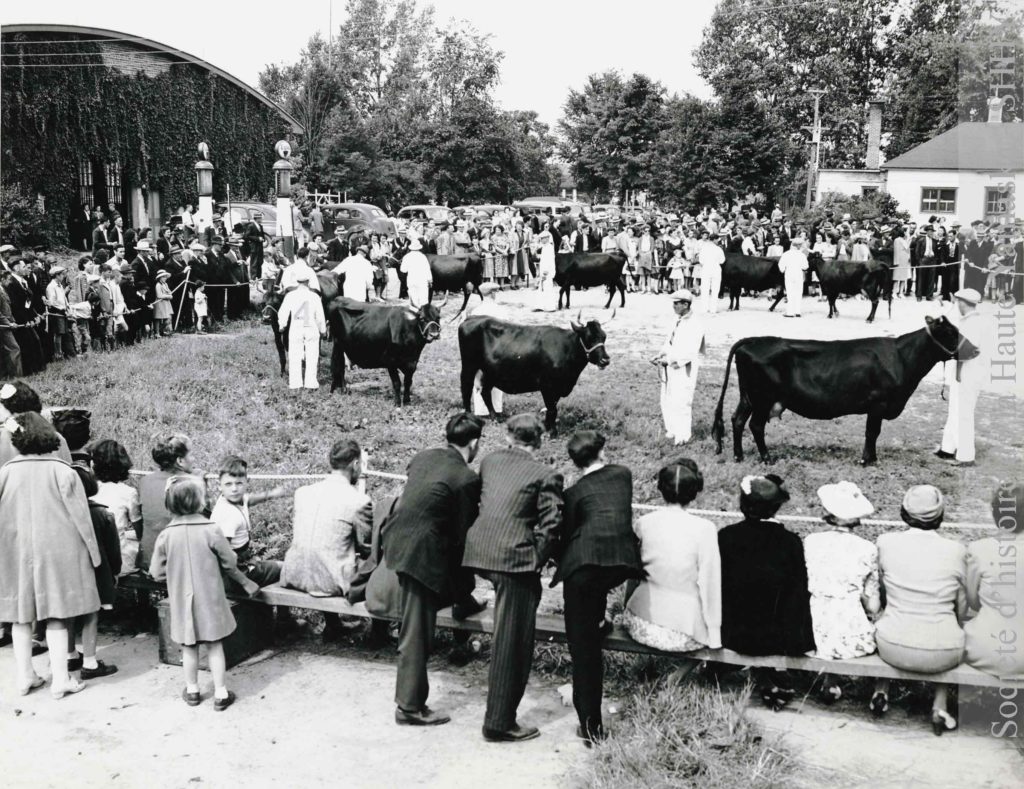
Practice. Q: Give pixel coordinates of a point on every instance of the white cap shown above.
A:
(845, 501)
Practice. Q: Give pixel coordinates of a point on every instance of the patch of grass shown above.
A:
(689, 735)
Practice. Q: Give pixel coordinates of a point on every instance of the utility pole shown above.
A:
(812, 158)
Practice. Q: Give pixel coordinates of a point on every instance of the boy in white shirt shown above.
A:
(231, 514)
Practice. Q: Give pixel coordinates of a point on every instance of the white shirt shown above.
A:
(793, 260)
(55, 295)
(304, 307)
(685, 342)
(748, 247)
(123, 502)
(233, 520)
(416, 267)
(289, 278)
(358, 277)
(710, 254)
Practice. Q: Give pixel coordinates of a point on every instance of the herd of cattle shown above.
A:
(815, 379)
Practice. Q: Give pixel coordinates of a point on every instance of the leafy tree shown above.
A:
(462, 65)
(583, 144)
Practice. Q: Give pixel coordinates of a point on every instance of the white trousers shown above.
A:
(303, 346)
(479, 406)
(711, 283)
(419, 294)
(677, 402)
(958, 434)
(794, 291)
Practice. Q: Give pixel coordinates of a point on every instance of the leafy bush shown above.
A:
(22, 222)
(877, 205)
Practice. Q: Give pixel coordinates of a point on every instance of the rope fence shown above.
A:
(810, 519)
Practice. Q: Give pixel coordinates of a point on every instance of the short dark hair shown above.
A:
(585, 446)
(525, 429)
(233, 466)
(35, 436)
(74, 424)
(344, 453)
(110, 461)
(168, 449)
(463, 428)
(1007, 503)
(302, 253)
(22, 400)
(185, 494)
(680, 481)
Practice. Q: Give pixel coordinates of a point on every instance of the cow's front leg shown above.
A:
(407, 395)
(758, 420)
(564, 290)
(871, 432)
(611, 295)
(874, 307)
(739, 421)
(338, 367)
(622, 291)
(551, 403)
(396, 385)
(487, 395)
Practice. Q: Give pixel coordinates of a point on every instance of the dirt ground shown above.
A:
(309, 717)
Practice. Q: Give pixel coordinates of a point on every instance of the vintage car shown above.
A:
(357, 216)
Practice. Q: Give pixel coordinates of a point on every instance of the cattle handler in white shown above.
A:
(793, 264)
(964, 378)
(305, 310)
(678, 362)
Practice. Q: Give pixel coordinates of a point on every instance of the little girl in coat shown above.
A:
(190, 554)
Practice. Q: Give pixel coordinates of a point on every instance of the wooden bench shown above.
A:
(552, 629)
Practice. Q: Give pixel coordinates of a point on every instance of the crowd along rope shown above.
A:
(702, 513)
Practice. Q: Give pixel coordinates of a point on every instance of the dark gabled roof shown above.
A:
(967, 146)
(145, 43)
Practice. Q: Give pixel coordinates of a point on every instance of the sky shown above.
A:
(550, 47)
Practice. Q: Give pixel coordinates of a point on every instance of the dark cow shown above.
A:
(745, 272)
(330, 287)
(827, 379)
(461, 273)
(518, 359)
(590, 270)
(381, 335)
(838, 278)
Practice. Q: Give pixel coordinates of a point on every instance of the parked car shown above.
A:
(357, 216)
(242, 213)
(422, 213)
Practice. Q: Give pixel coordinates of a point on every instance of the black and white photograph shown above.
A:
(447, 394)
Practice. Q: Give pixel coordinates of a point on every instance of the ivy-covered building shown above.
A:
(97, 116)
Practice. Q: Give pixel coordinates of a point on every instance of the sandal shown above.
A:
(37, 682)
(942, 722)
(879, 704)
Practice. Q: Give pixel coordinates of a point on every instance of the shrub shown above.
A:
(22, 222)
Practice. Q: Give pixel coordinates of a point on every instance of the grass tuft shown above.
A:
(687, 735)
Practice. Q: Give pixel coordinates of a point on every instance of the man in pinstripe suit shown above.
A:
(509, 543)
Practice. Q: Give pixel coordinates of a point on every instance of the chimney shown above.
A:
(873, 157)
(995, 108)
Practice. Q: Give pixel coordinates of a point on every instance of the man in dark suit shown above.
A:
(599, 552)
(254, 235)
(509, 543)
(952, 254)
(423, 544)
(26, 318)
(337, 247)
(927, 258)
(99, 236)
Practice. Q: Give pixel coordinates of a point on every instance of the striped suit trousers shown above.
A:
(517, 596)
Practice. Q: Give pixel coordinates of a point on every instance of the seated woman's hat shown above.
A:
(924, 503)
(845, 501)
(763, 490)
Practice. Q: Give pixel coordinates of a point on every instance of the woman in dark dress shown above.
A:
(766, 607)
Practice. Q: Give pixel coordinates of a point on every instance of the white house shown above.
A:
(973, 171)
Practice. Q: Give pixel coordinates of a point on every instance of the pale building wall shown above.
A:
(906, 186)
(848, 182)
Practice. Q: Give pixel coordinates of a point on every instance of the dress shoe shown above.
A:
(516, 734)
(879, 704)
(39, 649)
(944, 455)
(101, 670)
(964, 464)
(222, 704)
(468, 607)
(192, 699)
(75, 663)
(942, 722)
(425, 717)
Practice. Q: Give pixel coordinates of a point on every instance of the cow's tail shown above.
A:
(718, 427)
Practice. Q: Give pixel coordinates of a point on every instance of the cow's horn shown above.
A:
(579, 317)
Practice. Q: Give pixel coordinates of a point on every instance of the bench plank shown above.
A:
(551, 629)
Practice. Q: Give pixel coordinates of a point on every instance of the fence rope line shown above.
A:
(652, 507)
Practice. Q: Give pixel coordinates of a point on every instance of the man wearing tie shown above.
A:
(927, 258)
(679, 361)
(952, 257)
(508, 544)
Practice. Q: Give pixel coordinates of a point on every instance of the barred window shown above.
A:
(85, 186)
(113, 173)
(937, 200)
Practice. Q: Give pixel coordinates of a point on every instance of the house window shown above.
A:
(938, 201)
(113, 173)
(996, 199)
(85, 188)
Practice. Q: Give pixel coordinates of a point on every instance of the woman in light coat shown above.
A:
(48, 551)
(900, 262)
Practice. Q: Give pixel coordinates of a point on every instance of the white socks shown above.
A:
(90, 662)
(220, 693)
